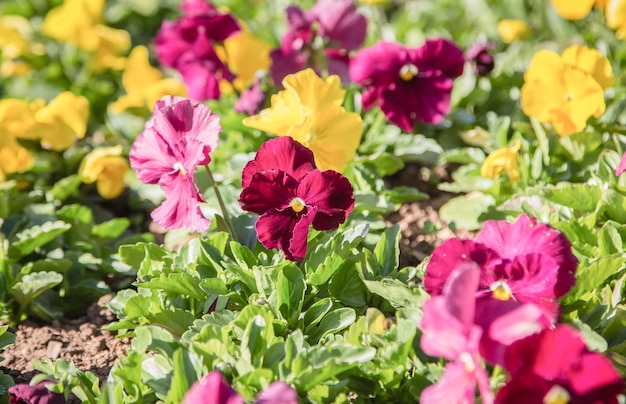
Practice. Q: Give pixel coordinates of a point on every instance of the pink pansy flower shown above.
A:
(410, 84)
(251, 100)
(622, 165)
(177, 138)
(213, 389)
(283, 186)
(187, 45)
(330, 30)
(37, 394)
(449, 331)
(523, 261)
(555, 366)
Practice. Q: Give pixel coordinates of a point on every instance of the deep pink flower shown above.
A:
(622, 165)
(251, 100)
(187, 45)
(177, 138)
(556, 366)
(410, 84)
(283, 186)
(449, 331)
(523, 261)
(277, 393)
(37, 394)
(480, 57)
(329, 31)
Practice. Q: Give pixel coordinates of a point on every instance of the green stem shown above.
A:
(5, 268)
(220, 200)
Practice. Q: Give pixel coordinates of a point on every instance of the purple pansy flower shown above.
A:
(320, 38)
(251, 100)
(177, 138)
(480, 57)
(555, 366)
(410, 84)
(283, 186)
(37, 394)
(187, 46)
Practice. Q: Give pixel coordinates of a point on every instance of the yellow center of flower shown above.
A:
(556, 395)
(408, 71)
(297, 205)
(501, 290)
(467, 361)
(179, 167)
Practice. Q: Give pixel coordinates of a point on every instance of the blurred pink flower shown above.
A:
(37, 394)
(556, 366)
(283, 186)
(410, 84)
(622, 165)
(177, 138)
(330, 30)
(251, 100)
(479, 55)
(523, 261)
(187, 45)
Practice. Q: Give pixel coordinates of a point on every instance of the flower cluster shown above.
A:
(566, 90)
(189, 46)
(309, 110)
(176, 140)
(411, 85)
(283, 186)
(80, 23)
(495, 299)
(320, 38)
(213, 389)
(614, 12)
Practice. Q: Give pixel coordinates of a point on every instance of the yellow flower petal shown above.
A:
(573, 9)
(138, 73)
(245, 55)
(112, 43)
(504, 159)
(512, 30)
(14, 158)
(615, 13)
(107, 168)
(17, 119)
(590, 61)
(14, 33)
(284, 113)
(313, 91)
(74, 21)
(62, 120)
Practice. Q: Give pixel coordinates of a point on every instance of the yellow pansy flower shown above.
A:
(309, 110)
(113, 43)
(14, 33)
(246, 54)
(14, 159)
(144, 84)
(62, 120)
(504, 159)
(74, 22)
(106, 167)
(573, 9)
(512, 30)
(560, 94)
(615, 13)
(590, 61)
(17, 119)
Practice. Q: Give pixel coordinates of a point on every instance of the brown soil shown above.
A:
(84, 342)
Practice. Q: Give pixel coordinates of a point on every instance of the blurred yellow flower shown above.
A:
(573, 9)
(504, 159)
(512, 30)
(560, 94)
(106, 167)
(615, 13)
(144, 84)
(14, 33)
(590, 61)
(113, 43)
(62, 120)
(245, 55)
(309, 110)
(17, 119)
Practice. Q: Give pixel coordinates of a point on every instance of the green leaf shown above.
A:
(34, 237)
(387, 251)
(178, 284)
(466, 211)
(32, 285)
(76, 214)
(609, 239)
(583, 197)
(66, 187)
(347, 287)
(183, 372)
(397, 293)
(333, 322)
(592, 275)
(316, 312)
(290, 288)
(112, 228)
(404, 194)
(386, 164)
(176, 321)
(614, 205)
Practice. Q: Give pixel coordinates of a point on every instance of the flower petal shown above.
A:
(331, 194)
(180, 208)
(267, 190)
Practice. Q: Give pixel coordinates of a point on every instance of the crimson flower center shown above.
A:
(178, 166)
(500, 290)
(556, 395)
(408, 71)
(297, 205)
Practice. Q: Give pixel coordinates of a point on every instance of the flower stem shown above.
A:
(220, 200)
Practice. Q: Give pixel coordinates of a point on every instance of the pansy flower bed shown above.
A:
(226, 175)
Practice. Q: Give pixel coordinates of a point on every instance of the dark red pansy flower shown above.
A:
(410, 84)
(283, 186)
(479, 55)
(37, 394)
(555, 366)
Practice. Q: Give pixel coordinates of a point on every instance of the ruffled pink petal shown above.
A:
(201, 79)
(151, 158)
(457, 385)
(281, 153)
(180, 207)
(270, 189)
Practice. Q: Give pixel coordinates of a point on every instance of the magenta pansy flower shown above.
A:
(523, 261)
(555, 366)
(251, 100)
(479, 56)
(449, 331)
(329, 31)
(277, 393)
(187, 45)
(283, 186)
(37, 394)
(176, 140)
(410, 84)
(622, 165)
